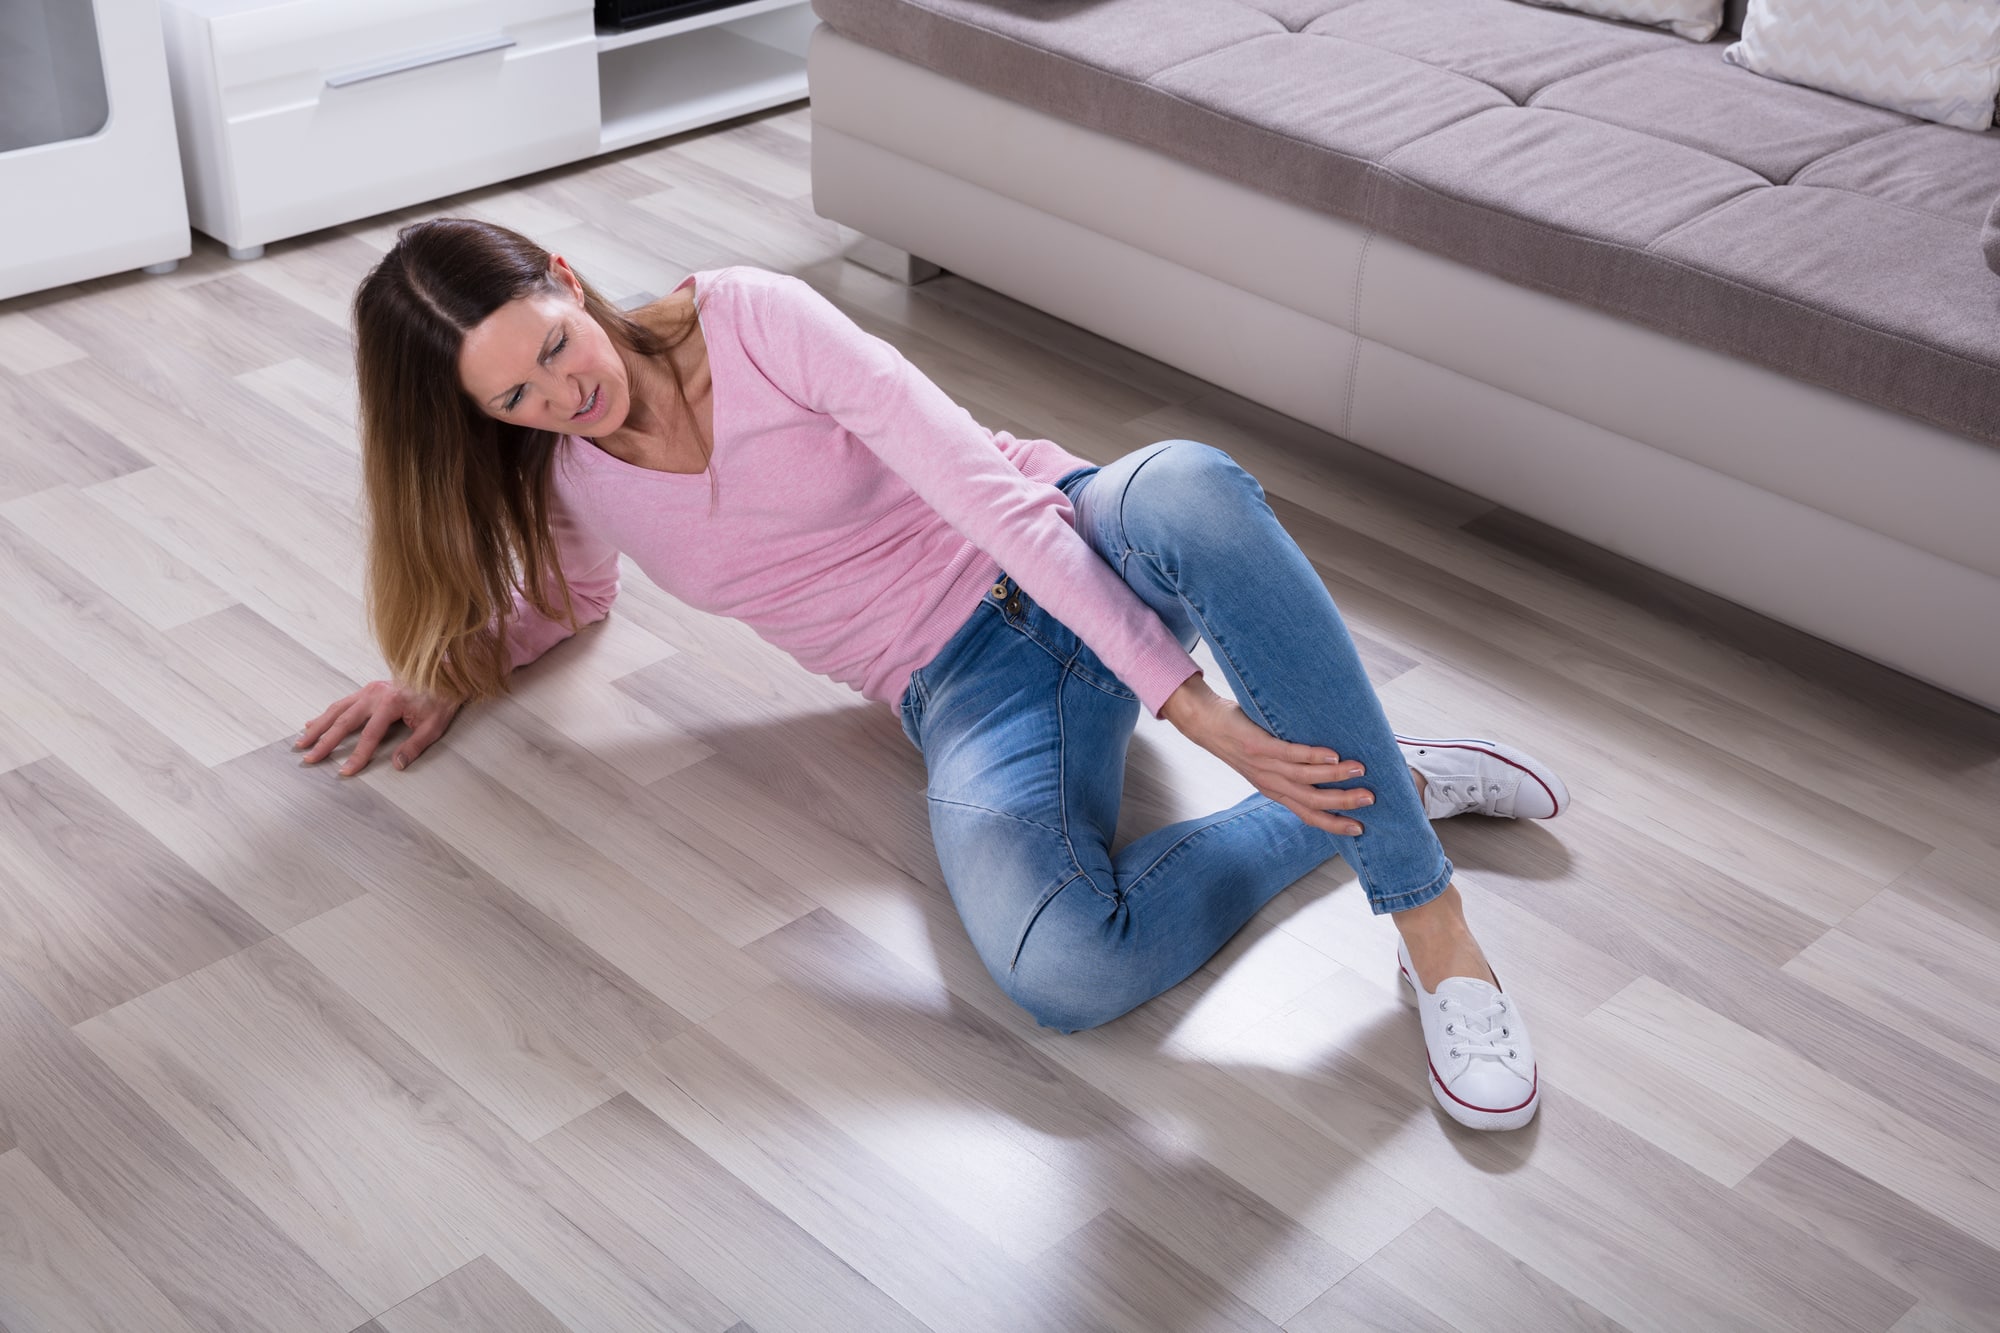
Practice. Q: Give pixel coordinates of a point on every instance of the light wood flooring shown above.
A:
(639, 1004)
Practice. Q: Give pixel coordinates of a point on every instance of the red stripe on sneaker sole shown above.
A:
(1534, 1086)
(1479, 747)
(1534, 1081)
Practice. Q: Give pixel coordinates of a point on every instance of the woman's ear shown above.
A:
(560, 271)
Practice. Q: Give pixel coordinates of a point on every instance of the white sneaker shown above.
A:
(1483, 1070)
(1463, 776)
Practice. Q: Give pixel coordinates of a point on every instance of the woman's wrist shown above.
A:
(1189, 704)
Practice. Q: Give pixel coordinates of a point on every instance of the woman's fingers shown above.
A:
(352, 712)
(1325, 804)
(1322, 758)
(1285, 771)
(420, 740)
(1357, 799)
(1319, 806)
(1321, 819)
(1302, 786)
(1325, 765)
(371, 736)
(375, 710)
(315, 728)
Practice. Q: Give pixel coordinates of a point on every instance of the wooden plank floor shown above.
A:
(638, 1004)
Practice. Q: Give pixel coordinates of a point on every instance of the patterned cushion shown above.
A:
(1696, 20)
(1939, 59)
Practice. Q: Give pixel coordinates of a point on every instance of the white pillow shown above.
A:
(1938, 59)
(1697, 20)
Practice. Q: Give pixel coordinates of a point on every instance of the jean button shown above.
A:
(999, 590)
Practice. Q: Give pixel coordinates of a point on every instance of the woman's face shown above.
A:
(542, 362)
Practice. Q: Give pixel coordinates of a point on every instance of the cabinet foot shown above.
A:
(881, 257)
(162, 268)
(246, 252)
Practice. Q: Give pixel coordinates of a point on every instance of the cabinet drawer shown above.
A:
(266, 56)
(383, 142)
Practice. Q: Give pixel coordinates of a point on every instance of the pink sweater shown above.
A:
(861, 514)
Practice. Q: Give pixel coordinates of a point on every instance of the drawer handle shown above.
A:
(478, 46)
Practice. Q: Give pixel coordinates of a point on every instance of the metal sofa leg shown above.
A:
(881, 257)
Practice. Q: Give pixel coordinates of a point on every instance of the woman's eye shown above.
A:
(561, 343)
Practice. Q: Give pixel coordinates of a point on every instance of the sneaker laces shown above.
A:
(1484, 1031)
(1456, 795)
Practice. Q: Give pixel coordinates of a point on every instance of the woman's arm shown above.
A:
(590, 566)
(806, 347)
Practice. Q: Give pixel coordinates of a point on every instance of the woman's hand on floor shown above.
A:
(373, 710)
(1284, 771)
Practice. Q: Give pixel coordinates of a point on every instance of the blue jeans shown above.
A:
(1024, 730)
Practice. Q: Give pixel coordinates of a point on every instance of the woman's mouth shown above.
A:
(593, 407)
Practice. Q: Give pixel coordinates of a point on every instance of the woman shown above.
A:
(1015, 603)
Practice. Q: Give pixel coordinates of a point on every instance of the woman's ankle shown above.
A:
(1440, 942)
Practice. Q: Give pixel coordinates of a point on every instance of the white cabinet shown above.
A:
(300, 114)
(89, 180)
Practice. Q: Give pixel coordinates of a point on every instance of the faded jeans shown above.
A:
(1024, 731)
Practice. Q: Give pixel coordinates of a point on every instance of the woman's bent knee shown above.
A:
(1070, 990)
(1189, 484)
(1192, 459)
(1065, 1009)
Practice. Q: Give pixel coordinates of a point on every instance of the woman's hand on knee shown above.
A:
(1280, 769)
(373, 710)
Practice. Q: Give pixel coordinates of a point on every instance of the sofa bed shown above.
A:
(1739, 330)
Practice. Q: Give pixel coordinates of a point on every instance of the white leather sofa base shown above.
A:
(1862, 526)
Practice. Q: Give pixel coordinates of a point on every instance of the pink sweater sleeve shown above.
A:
(825, 362)
(589, 564)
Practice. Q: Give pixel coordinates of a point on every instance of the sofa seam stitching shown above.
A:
(1712, 210)
(1354, 327)
(1474, 80)
(1844, 149)
(1889, 203)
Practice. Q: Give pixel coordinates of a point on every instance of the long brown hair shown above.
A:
(458, 503)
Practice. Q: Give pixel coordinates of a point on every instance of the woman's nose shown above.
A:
(564, 395)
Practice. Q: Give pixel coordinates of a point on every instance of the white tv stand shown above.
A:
(678, 76)
(295, 115)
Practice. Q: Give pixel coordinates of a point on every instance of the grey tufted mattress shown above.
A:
(1614, 165)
